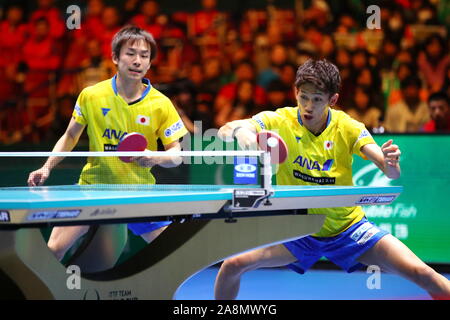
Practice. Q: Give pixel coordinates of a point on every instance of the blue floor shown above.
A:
(283, 284)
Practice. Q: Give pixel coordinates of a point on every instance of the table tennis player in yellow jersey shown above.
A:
(321, 142)
(111, 109)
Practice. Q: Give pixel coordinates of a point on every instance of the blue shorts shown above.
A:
(140, 228)
(343, 249)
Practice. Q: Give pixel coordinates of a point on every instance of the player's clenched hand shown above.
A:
(246, 139)
(146, 161)
(167, 161)
(391, 153)
(38, 177)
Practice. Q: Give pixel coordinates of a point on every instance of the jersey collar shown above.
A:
(144, 81)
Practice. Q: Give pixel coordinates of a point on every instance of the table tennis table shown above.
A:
(210, 223)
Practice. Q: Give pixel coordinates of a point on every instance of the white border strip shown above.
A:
(134, 153)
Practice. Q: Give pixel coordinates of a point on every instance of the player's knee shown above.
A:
(57, 250)
(235, 266)
(63, 238)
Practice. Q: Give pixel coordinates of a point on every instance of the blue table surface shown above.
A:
(76, 195)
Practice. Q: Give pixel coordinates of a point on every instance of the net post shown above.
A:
(266, 171)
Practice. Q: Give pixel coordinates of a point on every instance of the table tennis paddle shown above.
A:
(271, 142)
(132, 142)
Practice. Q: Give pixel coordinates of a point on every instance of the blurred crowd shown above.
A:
(218, 65)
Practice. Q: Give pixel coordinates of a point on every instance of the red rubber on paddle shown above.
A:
(132, 142)
(278, 152)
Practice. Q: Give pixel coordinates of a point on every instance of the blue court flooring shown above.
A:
(283, 284)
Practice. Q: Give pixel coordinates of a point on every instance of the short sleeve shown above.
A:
(79, 111)
(359, 136)
(266, 120)
(172, 127)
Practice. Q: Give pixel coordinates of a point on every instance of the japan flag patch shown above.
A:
(144, 120)
(328, 145)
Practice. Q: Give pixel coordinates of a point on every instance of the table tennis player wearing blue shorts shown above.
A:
(110, 110)
(321, 142)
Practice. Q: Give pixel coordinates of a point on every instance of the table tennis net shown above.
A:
(106, 171)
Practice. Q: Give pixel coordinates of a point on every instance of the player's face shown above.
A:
(313, 104)
(134, 60)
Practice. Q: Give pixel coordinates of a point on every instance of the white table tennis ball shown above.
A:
(272, 142)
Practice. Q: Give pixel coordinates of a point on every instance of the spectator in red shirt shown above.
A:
(245, 71)
(111, 25)
(91, 31)
(13, 35)
(433, 62)
(241, 107)
(42, 56)
(439, 108)
(41, 50)
(92, 26)
(148, 18)
(206, 21)
(47, 10)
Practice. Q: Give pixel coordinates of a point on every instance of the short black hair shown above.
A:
(133, 34)
(321, 73)
(440, 95)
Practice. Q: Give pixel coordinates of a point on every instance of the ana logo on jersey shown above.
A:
(113, 134)
(314, 165)
(143, 120)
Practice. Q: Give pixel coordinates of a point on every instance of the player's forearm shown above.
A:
(228, 132)
(169, 161)
(392, 172)
(386, 158)
(65, 143)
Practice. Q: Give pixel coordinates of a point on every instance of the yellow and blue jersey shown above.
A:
(325, 159)
(109, 118)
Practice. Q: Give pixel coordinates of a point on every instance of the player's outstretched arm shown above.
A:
(386, 157)
(168, 161)
(67, 142)
(243, 130)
